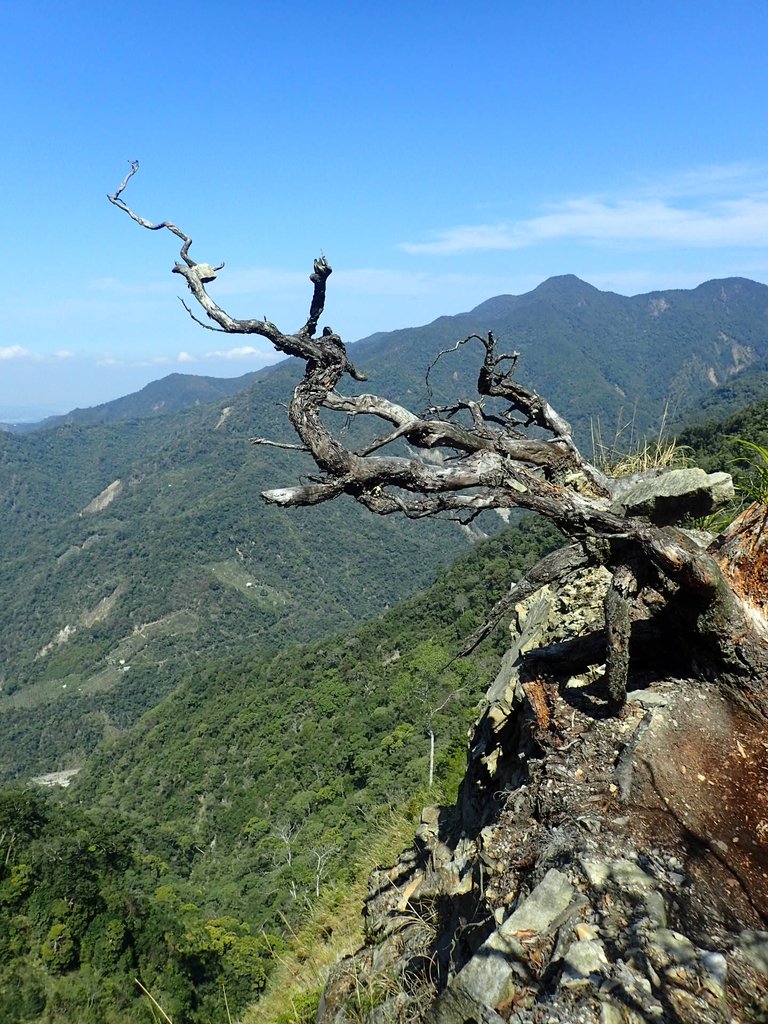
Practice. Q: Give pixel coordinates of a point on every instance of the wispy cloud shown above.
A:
(241, 352)
(16, 352)
(710, 208)
(712, 180)
(346, 281)
(249, 352)
(8, 352)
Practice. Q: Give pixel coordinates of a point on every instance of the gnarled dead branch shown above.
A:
(506, 447)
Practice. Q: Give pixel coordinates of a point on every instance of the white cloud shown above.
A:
(242, 352)
(711, 208)
(17, 352)
(185, 357)
(466, 238)
(712, 180)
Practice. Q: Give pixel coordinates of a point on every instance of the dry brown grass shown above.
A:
(333, 930)
(626, 455)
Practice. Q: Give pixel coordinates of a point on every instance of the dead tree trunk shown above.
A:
(506, 447)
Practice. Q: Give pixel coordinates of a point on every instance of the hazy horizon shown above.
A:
(122, 380)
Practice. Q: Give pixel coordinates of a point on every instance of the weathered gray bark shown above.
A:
(618, 626)
(660, 576)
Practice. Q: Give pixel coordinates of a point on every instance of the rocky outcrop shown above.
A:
(105, 498)
(596, 867)
(673, 494)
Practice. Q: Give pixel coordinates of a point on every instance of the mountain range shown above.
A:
(221, 671)
(160, 397)
(135, 542)
(592, 353)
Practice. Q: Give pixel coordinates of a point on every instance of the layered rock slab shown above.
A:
(596, 867)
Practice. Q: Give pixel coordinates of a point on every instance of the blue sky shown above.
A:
(438, 153)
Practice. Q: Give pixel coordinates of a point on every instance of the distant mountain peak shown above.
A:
(564, 280)
(565, 287)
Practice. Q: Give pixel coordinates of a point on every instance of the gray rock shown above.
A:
(597, 871)
(627, 875)
(754, 946)
(206, 272)
(457, 1007)
(667, 498)
(610, 1014)
(668, 947)
(494, 972)
(630, 986)
(582, 961)
(430, 818)
(649, 698)
(701, 538)
(714, 974)
(498, 967)
(655, 908)
(548, 900)
(503, 686)
(624, 874)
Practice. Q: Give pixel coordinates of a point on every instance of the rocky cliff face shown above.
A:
(596, 868)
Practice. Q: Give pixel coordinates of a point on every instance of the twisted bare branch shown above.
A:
(197, 275)
(503, 448)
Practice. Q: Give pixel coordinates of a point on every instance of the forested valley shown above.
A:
(247, 694)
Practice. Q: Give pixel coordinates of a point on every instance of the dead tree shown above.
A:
(507, 448)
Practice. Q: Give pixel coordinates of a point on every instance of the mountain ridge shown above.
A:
(635, 358)
(167, 394)
(237, 714)
(186, 532)
(568, 301)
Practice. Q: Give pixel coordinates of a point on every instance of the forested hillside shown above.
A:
(135, 541)
(107, 601)
(151, 609)
(718, 442)
(227, 809)
(247, 791)
(600, 358)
